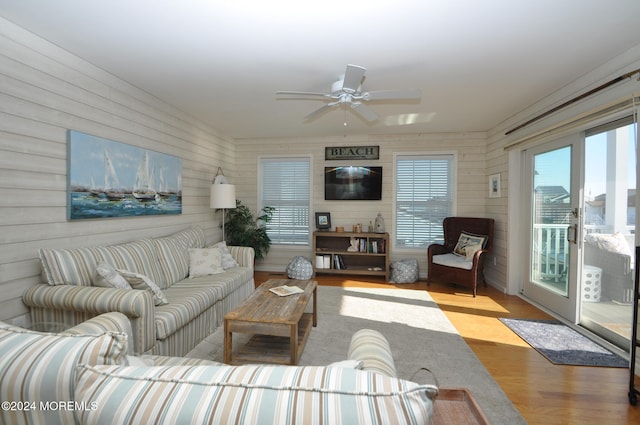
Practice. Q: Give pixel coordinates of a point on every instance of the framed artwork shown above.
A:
(323, 220)
(494, 186)
(113, 179)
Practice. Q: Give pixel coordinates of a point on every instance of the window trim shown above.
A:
(259, 185)
(454, 189)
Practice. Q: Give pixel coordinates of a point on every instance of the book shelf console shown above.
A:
(351, 253)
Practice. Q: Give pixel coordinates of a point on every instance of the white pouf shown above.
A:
(591, 284)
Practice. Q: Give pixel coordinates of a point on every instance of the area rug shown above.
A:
(420, 336)
(562, 345)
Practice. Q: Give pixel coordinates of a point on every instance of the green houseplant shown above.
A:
(242, 229)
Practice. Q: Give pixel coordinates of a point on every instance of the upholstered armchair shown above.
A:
(467, 240)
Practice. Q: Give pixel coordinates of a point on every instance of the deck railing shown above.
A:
(551, 249)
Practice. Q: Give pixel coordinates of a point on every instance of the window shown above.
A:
(286, 186)
(424, 197)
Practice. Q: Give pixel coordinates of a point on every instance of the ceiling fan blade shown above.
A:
(364, 111)
(353, 78)
(302, 93)
(320, 111)
(410, 94)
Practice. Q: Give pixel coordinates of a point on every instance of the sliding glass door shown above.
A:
(609, 231)
(580, 194)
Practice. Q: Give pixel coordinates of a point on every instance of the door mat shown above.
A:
(562, 345)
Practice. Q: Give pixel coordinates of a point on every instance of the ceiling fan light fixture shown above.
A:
(336, 87)
(347, 91)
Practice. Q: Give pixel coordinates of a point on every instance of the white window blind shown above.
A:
(286, 186)
(424, 197)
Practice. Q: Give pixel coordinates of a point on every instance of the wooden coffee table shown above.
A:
(279, 324)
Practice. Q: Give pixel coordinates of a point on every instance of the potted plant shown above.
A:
(241, 229)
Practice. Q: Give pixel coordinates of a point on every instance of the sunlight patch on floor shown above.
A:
(411, 308)
(472, 316)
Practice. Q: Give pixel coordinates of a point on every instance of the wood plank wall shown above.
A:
(44, 92)
(471, 180)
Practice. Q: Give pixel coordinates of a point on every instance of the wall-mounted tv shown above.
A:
(352, 183)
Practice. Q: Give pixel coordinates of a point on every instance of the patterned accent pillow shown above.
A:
(108, 277)
(471, 250)
(228, 262)
(468, 239)
(142, 282)
(204, 261)
(40, 368)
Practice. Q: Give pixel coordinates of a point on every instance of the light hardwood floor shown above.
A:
(544, 393)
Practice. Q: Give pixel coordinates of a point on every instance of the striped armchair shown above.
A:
(87, 374)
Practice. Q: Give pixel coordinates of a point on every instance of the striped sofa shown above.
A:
(96, 382)
(170, 321)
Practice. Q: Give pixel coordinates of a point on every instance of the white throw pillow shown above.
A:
(204, 262)
(108, 277)
(228, 262)
(142, 282)
(613, 243)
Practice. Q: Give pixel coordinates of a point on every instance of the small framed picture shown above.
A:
(494, 186)
(323, 220)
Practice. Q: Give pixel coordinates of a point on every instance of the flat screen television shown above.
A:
(352, 183)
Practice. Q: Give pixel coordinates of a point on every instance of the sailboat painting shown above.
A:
(113, 179)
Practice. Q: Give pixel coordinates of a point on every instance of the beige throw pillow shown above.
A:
(204, 262)
(142, 282)
(228, 262)
(108, 277)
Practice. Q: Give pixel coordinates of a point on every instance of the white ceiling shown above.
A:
(476, 62)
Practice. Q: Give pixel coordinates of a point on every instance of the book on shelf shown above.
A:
(323, 261)
(378, 246)
(338, 262)
(285, 290)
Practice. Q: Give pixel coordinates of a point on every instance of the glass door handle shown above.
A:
(572, 234)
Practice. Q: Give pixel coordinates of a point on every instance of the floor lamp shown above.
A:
(223, 195)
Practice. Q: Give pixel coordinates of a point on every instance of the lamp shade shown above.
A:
(223, 196)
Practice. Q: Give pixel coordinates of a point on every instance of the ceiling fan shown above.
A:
(347, 91)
